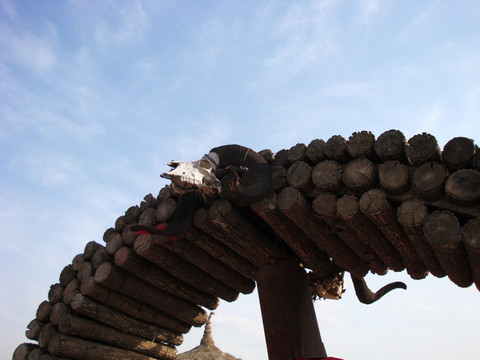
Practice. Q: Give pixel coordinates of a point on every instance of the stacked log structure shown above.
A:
(361, 204)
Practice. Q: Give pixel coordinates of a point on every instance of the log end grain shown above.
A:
(442, 228)
(299, 174)
(458, 152)
(412, 213)
(336, 149)
(324, 204)
(471, 234)
(287, 197)
(23, 350)
(347, 206)
(327, 176)
(394, 177)
(463, 187)
(422, 148)
(315, 151)
(297, 153)
(360, 175)
(390, 145)
(373, 202)
(429, 180)
(361, 144)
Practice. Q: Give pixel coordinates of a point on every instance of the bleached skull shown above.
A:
(194, 176)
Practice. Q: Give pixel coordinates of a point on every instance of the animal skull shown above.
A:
(194, 176)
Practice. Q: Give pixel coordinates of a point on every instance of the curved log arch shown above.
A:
(223, 260)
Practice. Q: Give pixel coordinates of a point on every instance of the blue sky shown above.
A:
(97, 96)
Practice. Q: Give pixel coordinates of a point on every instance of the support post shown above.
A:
(289, 321)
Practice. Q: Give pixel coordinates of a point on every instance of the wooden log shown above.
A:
(66, 275)
(148, 217)
(165, 210)
(72, 289)
(429, 180)
(128, 260)
(107, 316)
(458, 153)
(281, 158)
(268, 155)
(58, 310)
(315, 151)
(324, 206)
(79, 258)
(360, 175)
(336, 149)
(33, 329)
(210, 265)
(390, 145)
(394, 177)
(84, 270)
(115, 243)
(146, 247)
(90, 330)
(471, 239)
(55, 294)
(349, 210)
(362, 145)
(411, 216)
(312, 257)
(442, 229)
(422, 148)
(279, 177)
(296, 207)
(90, 249)
(129, 236)
(51, 357)
(108, 234)
(152, 202)
(327, 176)
(35, 354)
(164, 193)
(100, 257)
(463, 187)
(46, 334)
(476, 160)
(220, 252)
(297, 153)
(225, 224)
(143, 205)
(21, 351)
(75, 348)
(43, 311)
(116, 279)
(375, 205)
(132, 214)
(132, 307)
(299, 177)
(120, 223)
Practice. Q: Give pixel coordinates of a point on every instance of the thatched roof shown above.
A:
(207, 349)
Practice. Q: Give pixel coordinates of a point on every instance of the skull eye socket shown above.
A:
(204, 164)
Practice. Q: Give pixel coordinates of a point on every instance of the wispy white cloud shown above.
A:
(204, 133)
(8, 9)
(369, 10)
(32, 50)
(112, 23)
(48, 169)
(303, 36)
(349, 90)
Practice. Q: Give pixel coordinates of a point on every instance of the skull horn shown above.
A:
(254, 185)
(366, 296)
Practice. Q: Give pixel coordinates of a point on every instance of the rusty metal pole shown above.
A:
(289, 321)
